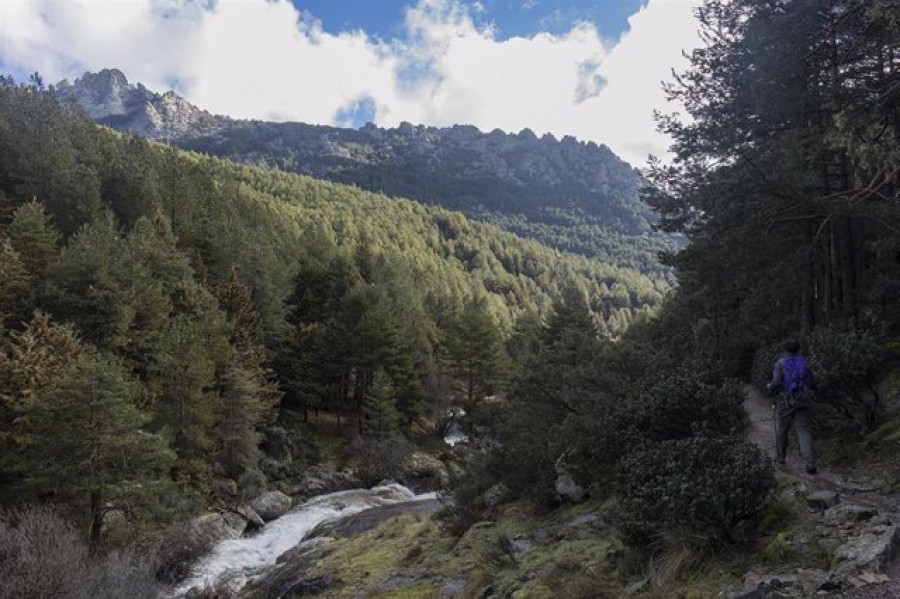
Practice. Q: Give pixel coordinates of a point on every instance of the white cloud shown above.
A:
(264, 59)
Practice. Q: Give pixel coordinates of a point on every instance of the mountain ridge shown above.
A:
(572, 195)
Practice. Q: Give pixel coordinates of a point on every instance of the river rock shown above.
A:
(271, 505)
(295, 574)
(822, 500)
(423, 471)
(354, 524)
(209, 529)
(320, 479)
(249, 514)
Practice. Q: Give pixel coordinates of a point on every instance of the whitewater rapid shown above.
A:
(237, 561)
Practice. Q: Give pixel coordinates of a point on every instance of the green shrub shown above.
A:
(846, 366)
(705, 485)
(381, 458)
(668, 404)
(694, 398)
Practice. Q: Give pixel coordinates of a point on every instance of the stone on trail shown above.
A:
(847, 514)
(271, 505)
(823, 500)
(869, 551)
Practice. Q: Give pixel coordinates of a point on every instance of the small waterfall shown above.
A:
(455, 433)
(238, 561)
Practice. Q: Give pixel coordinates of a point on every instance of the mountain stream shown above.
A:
(237, 561)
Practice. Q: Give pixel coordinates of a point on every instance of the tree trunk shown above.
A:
(96, 519)
(809, 277)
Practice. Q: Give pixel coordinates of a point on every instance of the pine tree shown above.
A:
(475, 351)
(14, 280)
(241, 410)
(35, 238)
(380, 417)
(35, 362)
(87, 440)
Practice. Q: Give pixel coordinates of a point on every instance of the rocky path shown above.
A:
(858, 516)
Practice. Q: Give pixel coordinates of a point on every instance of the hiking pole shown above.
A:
(775, 422)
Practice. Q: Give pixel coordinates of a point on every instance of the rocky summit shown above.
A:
(109, 98)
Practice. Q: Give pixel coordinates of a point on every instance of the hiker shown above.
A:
(792, 377)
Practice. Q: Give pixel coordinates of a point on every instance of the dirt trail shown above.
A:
(850, 488)
(762, 433)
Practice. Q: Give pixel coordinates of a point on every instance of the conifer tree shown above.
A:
(35, 239)
(36, 360)
(87, 440)
(475, 352)
(380, 417)
(13, 280)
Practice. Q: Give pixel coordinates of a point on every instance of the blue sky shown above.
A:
(588, 69)
(384, 18)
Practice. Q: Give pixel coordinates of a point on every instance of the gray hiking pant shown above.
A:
(786, 415)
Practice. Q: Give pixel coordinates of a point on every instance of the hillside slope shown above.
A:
(574, 196)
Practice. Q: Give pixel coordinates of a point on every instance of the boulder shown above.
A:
(764, 586)
(209, 529)
(360, 522)
(518, 546)
(452, 588)
(250, 516)
(423, 471)
(295, 574)
(496, 495)
(568, 489)
(869, 551)
(822, 500)
(271, 505)
(319, 480)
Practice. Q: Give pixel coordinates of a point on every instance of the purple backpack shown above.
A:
(796, 377)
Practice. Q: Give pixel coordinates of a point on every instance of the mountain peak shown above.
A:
(109, 98)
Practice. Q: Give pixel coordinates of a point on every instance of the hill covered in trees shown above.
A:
(574, 196)
(168, 303)
(182, 298)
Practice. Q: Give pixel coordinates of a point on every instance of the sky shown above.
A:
(588, 68)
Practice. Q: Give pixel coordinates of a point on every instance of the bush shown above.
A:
(41, 555)
(176, 552)
(693, 398)
(707, 486)
(468, 506)
(669, 404)
(846, 366)
(381, 459)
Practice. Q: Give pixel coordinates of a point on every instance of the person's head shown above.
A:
(792, 347)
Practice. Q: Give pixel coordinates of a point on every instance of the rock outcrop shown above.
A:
(108, 97)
